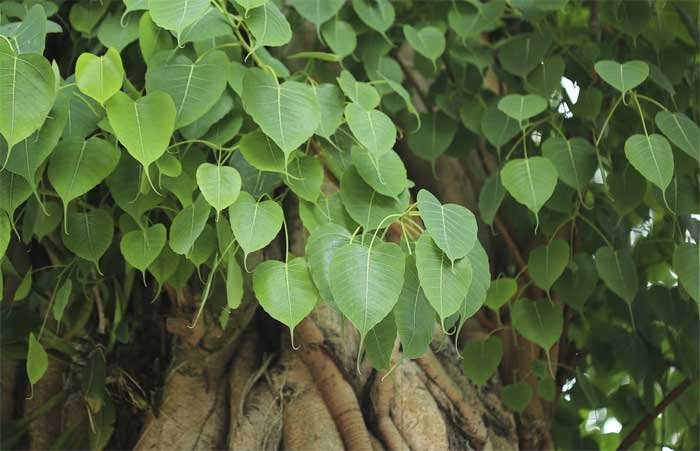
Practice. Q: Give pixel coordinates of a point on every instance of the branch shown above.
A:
(635, 433)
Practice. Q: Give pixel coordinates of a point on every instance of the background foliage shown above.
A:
(152, 143)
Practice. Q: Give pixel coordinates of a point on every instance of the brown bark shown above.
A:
(45, 428)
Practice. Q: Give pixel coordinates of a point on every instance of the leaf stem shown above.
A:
(607, 121)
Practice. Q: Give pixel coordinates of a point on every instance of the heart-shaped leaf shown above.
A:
(305, 177)
(451, 226)
(652, 156)
(140, 248)
(627, 190)
(261, 152)
(320, 247)
(61, 300)
(176, 15)
(14, 190)
(491, 197)
(686, 263)
(317, 11)
(541, 322)
(254, 224)
(187, 225)
(372, 128)
(428, 41)
(330, 103)
(578, 283)
(27, 93)
(194, 87)
(622, 77)
(547, 263)
(445, 284)
(285, 290)
(618, 271)
(466, 22)
(363, 94)
(481, 280)
(89, 234)
(386, 174)
(413, 314)
(268, 26)
(516, 396)
(367, 207)
(366, 282)
(574, 159)
(339, 36)
(287, 112)
(37, 360)
(522, 108)
(522, 53)
(433, 138)
(545, 80)
(220, 185)
(143, 126)
(497, 127)
(682, 132)
(99, 77)
(377, 14)
(380, 342)
(531, 181)
(481, 359)
(500, 292)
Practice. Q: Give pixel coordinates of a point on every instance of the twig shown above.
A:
(636, 432)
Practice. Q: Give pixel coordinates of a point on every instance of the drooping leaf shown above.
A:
(522, 53)
(531, 181)
(117, 32)
(497, 127)
(433, 137)
(305, 177)
(330, 103)
(320, 247)
(428, 41)
(366, 282)
(363, 94)
(522, 108)
(622, 77)
(5, 231)
(209, 26)
(317, 11)
(268, 26)
(14, 190)
(99, 77)
(652, 156)
(254, 224)
(372, 128)
(547, 263)
(27, 93)
(140, 248)
(574, 160)
(187, 225)
(340, 37)
(578, 282)
(367, 207)
(682, 132)
(61, 300)
(545, 80)
(481, 280)
(414, 316)
(481, 359)
(516, 396)
(261, 152)
(285, 290)
(445, 284)
(618, 271)
(29, 35)
(385, 174)
(286, 112)
(220, 185)
(490, 197)
(176, 15)
(378, 15)
(686, 263)
(541, 322)
(500, 292)
(234, 282)
(89, 234)
(37, 360)
(451, 226)
(380, 342)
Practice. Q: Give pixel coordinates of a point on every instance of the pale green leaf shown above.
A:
(320, 247)
(481, 359)
(622, 77)
(261, 152)
(117, 31)
(490, 197)
(330, 103)
(187, 225)
(574, 159)
(339, 36)
(29, 35)
(234, 282)
(359, 92)
(547, 263)
(317, 11)
(522, 108)
(531, 181)
(305, 177)
(37, 360)
(414, 316)
(61, 300)
(89, 234)
(254, 224)
(268, 26)
(5, 233)
(686, 263)
(377, 14)
(451, 226)
(385, 174)
(14, 190)
(682, 132)
(500, 292)
(140, 248)
(175, 15)
(99, 77)
(541, 321)
(220, 185)
(497, 127)
(652, 156)
(428, 41)
(372, 128)
(618, 271)
(380, 342)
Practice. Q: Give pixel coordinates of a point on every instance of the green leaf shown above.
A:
(481, 280)
(433, 137)
(547, 263)
(5, 232)
(481, 359)
(380, 342)
(627, 190)
(574, 159)
(285, 290)
(317, 11)
(27, 93)
(99, 77)
(378, 14)
(144, 126)
(451, 226)
(254, 224)
(117, 31)
(541, 322)
(578, 282)
(372, 128)
(531, 181)
(268, 26)
(14, 190)
(522, 108)
(77, 166)
(187, 225)
(500, 292)
(490, 197)
(428, 41)
(164, 266)
(618, 271)
(37, 360)
(339, 36)
(367, 207)
(652, 156)
(29, 35)
(522, 53)
(622, 77)
(287, 112)
(220, 185)
(140, 248)
(176, 15)
(250, 4)
(516, 396)
(261, 152)
(682, 132)
(497, 127)
(211, 25)
(195, 87)
(305, 177)
(686, 263)
(24, 287)
(84, 17)
(89, 234)
(386, 174)
(61, 300)
(320, 247)
(330, 103)
(445, 284)
(366, 282)
(152, 39)
(545, 80)
(360, 93)
(234, 282)
(468, 23)
(414, 316)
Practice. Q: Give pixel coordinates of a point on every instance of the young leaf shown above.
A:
(686, 263)
(372, 128)
(366, 206)
(27, 93)
(144, 126)
(89, 234)
(255, 224)
(618, 271)
(547, 263)
(500, 292)
(140, 248)
(380, 342)
(176, 15)
(366, 282)
(99, 77)
(451, 226)
(428, 41)
(481, 359)
(522, 108)
(651, 155)
(682, 132)
(285, 290)
(61, 300)
(187, 225)
(414, 316)
(317, 11)
(516, 396)
(385, 174)
(531, 181)
(574, 160)
(541, 322)
(622, 77)
(287, 112)
(445, 284)
(37, 360)
(220, 185)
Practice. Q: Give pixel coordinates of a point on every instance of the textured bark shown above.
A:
(45, 428)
